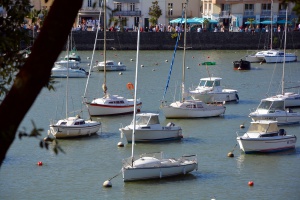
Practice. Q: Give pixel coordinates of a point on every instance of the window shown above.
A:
(89, 3)
(132, 6)
(119, 6)
(266, 6)
(170, 9)
(249, 7)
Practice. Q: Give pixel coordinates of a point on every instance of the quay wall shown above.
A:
(84, 40)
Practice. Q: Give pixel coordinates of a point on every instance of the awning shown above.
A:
(283, 22)
(254, 22)
(268, 22)
(178, 20)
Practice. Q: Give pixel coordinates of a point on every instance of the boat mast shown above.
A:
(271, 45)
(284, 50)
(67, 84)
(135, 90)
(184, 47)
(104, 87)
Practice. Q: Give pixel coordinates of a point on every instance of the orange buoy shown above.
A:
(40, 163)
(250, 183)
(130, 86)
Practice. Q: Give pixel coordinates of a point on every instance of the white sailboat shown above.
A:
(154, 165)
(71, 127)
(291, 99)
(265, 137)
(190, 108)
(109, 104)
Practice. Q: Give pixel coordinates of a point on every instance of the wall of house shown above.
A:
(198, 41)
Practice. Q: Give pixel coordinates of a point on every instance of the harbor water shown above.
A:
(87, 162)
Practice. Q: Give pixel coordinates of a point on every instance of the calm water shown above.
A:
(88, 162)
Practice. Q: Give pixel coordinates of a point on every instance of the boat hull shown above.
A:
(165, 134)
(173, 112)
(226, 95)
(282, 119)
(280, 58)
(61, 131)
(266, 145)
(134, 174)
(103, 109)
(254, 59)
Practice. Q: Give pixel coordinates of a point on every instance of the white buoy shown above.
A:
(120, 144)
(88, 64)
(131, 59)
(153, 69)
(187, 67)
(107, 183)
(242, 126)
(88, 58)
(120, 73)
(142, 65)
(166, 60)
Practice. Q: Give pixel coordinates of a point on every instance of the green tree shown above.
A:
(155, 12)
(23, 79)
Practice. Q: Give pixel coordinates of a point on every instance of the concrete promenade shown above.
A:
(84, 40)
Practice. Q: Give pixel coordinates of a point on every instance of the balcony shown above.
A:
(266, 13)
(282, 13)
(127, 13)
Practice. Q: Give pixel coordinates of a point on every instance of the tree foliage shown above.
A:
(155, 12)
(23, 79)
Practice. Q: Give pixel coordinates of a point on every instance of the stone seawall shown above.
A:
(84, 40)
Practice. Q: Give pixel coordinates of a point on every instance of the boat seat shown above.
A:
(282, 132)
(170, 124)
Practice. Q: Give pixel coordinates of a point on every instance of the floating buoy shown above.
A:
(88, 58)
(116, 55)
(187, 67)
(260, 63)
(120, 73)
(153, 69)
(156, 63)
(131, 59)
(199, 64)
(142, 65)
(107, 184)
(166, 60)
(40, 163)
(250, 183)
(88, 64)
(230, 154)
(101, 54)
(242, 126)
(120, 144)
(193, 57)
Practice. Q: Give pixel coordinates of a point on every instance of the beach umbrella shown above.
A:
(254, 22)
(268, 22)
(212, 21)
(283, 22)
(178, 20)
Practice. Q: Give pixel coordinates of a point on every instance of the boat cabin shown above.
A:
(146, 119)
(263, 128)
(271, 104)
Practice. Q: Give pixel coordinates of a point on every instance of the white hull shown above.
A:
(152, 135)
(152, 168)
(254, 59)
(192, 109)
(110, 68)
(280, 58)
(225, 96)
(62, 131)
(63, 72)
(290, 99)
(266, 145)
(101, 109)
(283, 118)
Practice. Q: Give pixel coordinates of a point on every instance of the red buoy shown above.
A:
(40, 163)
(250, 183)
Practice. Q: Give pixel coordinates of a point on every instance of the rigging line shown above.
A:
(91, 64)
(173, 58)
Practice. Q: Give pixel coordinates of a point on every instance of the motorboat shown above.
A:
(155, 166)
(241, 65)
(192, 109)
(73, 56)
(258, 57)
(263, 136)
(71, 63)
(291, 99)
(274, 109)
(110, 66)
(112, 105)
(210, 90)
(279, 56)
(71, 127)
(60, 71)
(149, 129)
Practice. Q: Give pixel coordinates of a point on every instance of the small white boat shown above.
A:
(274, 109)
(74, 127)
(265, 137)
(110, 66)
(60, 71)
(149, 129)
(192, 109)
(112, 105)
(258, 57)
(154, 166)
(279, 56)
(73, 56)
(65, 63)
(210, 90)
